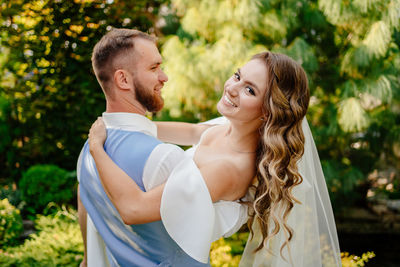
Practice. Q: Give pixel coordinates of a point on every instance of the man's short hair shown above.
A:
(110, 46)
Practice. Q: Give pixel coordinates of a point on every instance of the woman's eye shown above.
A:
(250, 90)
(237, 76)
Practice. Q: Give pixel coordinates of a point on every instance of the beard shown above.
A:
(147, 97)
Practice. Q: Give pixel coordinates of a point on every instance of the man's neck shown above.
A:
(120, 106)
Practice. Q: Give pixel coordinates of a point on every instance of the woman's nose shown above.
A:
(232, 89)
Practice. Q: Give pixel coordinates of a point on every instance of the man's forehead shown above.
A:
(147, 51)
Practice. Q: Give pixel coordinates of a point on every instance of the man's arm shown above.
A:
(82, 218)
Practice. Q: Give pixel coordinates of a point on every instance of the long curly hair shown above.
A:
(280, 147)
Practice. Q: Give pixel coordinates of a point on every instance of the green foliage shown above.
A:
(227, 252)
(58, 243)
(343, 180)
(356, 261)
(7, 154)
(42, 184)
(12, 194)
(10, 223)
(46, 76)
(224, 252)
(349, 49)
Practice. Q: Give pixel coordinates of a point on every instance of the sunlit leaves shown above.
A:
(393, 14)
(365, 5)
(273, 25)
(198, 69)
(352, 117)
(378, 38)
(379, 88)
(302, 53)
(206, 17)
(47, 76)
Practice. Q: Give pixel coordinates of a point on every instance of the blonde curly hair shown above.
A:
(280, 147)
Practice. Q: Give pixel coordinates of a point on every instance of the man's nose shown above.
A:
(162, 76)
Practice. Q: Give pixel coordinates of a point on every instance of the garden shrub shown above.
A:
(221, 254)
(13, 195)
(42, 184)
(11, 225)
(356, 261)
(58, 243)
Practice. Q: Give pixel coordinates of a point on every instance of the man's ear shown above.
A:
(122, 79)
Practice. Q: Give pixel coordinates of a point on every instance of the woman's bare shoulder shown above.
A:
(233, 173)
(212, 134)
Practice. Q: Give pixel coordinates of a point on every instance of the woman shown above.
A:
(265, 103)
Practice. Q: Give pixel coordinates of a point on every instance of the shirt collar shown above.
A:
(129, 122)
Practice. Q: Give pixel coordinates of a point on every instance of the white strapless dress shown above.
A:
(189, 215)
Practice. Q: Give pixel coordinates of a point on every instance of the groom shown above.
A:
(127, 65)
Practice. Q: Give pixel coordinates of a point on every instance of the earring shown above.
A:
(262, 119)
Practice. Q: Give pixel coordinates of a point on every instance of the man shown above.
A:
(127, 65)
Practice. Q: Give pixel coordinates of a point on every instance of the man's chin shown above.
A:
(157, 105)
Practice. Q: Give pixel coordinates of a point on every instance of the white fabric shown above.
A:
(315, 241)
(129, 122)
(188, 213)
(190, 217)
(96, 249)
(160, 164)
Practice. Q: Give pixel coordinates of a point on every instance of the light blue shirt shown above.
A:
(131, 139)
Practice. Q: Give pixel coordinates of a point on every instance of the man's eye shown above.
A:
(237, 76)
(250, 90)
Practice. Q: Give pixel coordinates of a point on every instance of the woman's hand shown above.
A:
(97, 134)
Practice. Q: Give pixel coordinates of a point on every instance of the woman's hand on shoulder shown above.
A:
(97, 134)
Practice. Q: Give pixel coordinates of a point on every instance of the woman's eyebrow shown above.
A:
(249, 82)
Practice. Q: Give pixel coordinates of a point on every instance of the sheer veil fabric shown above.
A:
(315, 242)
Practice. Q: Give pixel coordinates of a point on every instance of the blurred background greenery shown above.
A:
(350, 50)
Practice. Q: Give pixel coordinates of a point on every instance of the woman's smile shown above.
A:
(228, 101)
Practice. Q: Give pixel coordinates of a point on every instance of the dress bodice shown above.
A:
(189, 215)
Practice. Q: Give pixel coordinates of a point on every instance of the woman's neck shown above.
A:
(243, 137)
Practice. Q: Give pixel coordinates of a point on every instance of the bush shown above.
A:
(43, 184)
(227, 252)
(221, 254)
(356, 261)
(58, 243)
(10, 223)
(12, 194)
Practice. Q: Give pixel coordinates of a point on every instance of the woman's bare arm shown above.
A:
(180, 133)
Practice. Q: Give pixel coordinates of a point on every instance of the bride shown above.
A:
(259, 167)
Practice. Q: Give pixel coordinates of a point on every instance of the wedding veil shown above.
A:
(315, 242)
